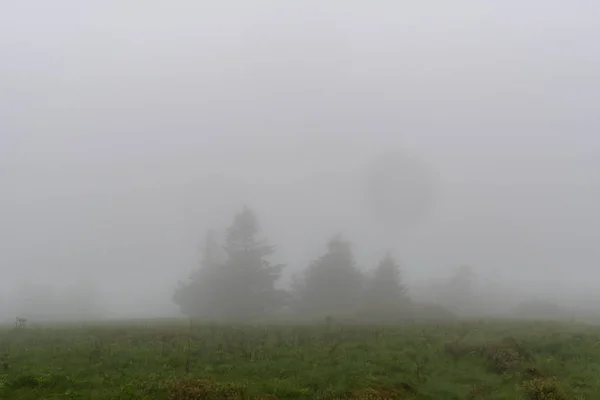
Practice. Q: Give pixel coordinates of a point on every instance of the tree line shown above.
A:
(237, 282)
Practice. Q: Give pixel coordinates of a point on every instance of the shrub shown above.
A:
(543, 389)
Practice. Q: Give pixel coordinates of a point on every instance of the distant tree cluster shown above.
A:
(236, 282)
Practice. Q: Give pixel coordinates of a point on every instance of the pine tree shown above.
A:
(196, 296)
(386, 296)
(457, 293)
(242, 286)
(250, 278)
(332, 285)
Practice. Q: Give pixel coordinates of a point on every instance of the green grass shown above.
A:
(171, 360)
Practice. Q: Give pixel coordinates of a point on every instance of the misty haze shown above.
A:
(397, 163)
(126, 135)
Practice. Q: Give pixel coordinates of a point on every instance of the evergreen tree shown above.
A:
(332, 285)
(386, 296)
(195, 297)
(458, 292)
(248, 278)
(242, 287)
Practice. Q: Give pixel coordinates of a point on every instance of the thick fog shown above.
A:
(129, 129)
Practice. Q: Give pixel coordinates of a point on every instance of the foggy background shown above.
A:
(128, 129)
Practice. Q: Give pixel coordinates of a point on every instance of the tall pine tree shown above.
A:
(196, 296)
(332, 285)
(242, 286)
(458, 292)
(248, 277)
(386, 296)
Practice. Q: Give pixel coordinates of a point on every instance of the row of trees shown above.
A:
(236, 281)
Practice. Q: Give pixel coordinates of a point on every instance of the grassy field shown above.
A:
(176, 360)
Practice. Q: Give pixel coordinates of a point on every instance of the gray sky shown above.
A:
(128, 128)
